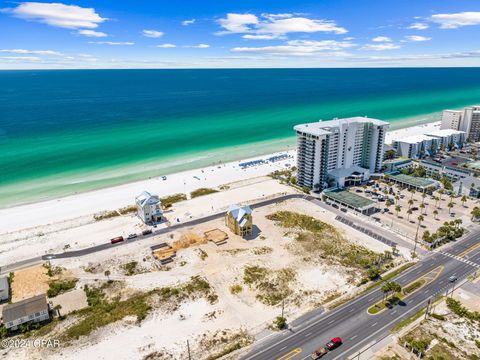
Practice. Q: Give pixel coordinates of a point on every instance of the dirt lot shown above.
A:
(29, 282)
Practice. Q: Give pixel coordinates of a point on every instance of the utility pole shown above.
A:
(188, 349)
(453, 289)
(428, 308)
(283, 306)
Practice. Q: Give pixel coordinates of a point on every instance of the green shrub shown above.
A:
(280, 322)
(59, 287)
(202, 192)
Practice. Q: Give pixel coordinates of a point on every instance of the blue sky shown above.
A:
(239, 33)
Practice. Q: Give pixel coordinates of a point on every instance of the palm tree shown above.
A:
(435, 213)
(413, 191)
(397, 197)
(410, 203)
(450, 206)
(437, 199)
(107, 274)
(398, 208)
(57, 309)
(409, 212)
(424, 195)
(422, 206)
(464, 200)
(475, 213)
(441, 192)
(420, 218)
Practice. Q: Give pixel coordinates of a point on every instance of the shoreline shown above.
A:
(112, 198)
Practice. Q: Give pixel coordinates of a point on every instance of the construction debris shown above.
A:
(217, 236)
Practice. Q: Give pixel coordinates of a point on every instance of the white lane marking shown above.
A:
(283, 348)
(353, 337)
(351, 310)
(373, 324)
(310, 333)
(331, 322)
(393, 312)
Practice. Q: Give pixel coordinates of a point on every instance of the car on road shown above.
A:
(452, 278)
(146, 232)
(334, 343)
(132, 236)
(317, 354)
(117, 239)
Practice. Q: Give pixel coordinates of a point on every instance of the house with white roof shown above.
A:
(239, 220)
(149, 207)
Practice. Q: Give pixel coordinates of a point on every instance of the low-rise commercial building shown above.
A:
(412, 182)
(34, 309)
(469, 186)
(417, 146)
(395, 165)
(450, 172)
(449, 138)
(350, 201)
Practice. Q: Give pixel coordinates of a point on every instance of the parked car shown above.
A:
(131, 236)
(344, 210)
(117, 239)
(317, 354)
(164, 178)
(146, 232)
(452, 278)
(334, 343)
(386, 209)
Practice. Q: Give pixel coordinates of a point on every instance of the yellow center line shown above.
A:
(470, 249)
(291, 354)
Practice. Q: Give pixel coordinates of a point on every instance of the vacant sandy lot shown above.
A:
(248, 307)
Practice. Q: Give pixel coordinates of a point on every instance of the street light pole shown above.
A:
(188, 349)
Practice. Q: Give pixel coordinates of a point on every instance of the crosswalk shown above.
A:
(459, 258)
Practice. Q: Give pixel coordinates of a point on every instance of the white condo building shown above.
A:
(417, 146)
(339, 151)
(467, 120)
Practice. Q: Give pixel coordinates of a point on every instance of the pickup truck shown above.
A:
(317, 354)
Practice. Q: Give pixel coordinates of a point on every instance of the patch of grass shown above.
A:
(414, 286)
(438, 316)
(322, 241)
(234, 252)
(384, 304)
(53, 270)
(203, 254)
(168, 201)
(202, 192)
(408, 321)
(272, 286)
(128, 209)
(59, 287)
(236, 289)
(102, 312)
(261, 250)
(106, 215)
(130, 268)
(240, 340)
(458, 309)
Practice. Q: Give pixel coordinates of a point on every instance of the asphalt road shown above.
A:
(355, 326)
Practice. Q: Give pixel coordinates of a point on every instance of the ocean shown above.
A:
(68, 131)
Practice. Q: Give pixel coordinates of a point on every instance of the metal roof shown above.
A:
(323, 127)
(23, 308)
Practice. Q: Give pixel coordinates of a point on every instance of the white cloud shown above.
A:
(418, 26)
(91, 33)
(57, 14)
(276, 24)
(188, 22)
(111, 43)
(299, 24)
(237, 23)
(199, 46)
(453, 21)
(263, 37)
(349, 38)
(166, 46)
(417, 38)
(152, 33)
(300, 47)
(381, 39)
(380, 47)
(32, 52)
(21, 58)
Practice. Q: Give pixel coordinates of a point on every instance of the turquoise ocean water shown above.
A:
(63, 132)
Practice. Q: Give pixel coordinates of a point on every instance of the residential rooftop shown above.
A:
(414, 139)
(23, 308)
(445, 132)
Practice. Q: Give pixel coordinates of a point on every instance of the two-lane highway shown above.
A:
(358, 328)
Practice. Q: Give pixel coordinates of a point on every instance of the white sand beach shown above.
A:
(76, 206)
